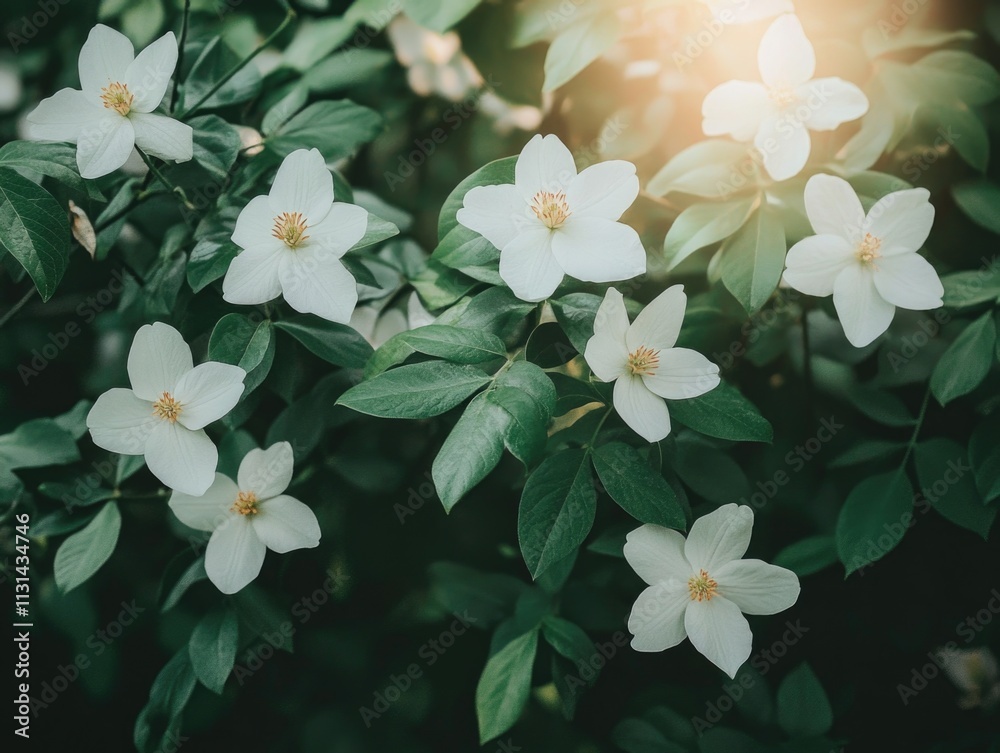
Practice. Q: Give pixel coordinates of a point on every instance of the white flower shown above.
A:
(507, 117)
(378, 324)
(434, 62)
(249, 516)
(114, 110)
(869, 263)
(778, 114)
(974, 672)
(552, 221)
(292, 241)
(747, 11)
(164, 414)
(700, 588)
(640, 358)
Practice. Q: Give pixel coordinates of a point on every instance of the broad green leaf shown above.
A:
(711, 169)
(579, 45)
(808, 556)
(874, 519)
(549, 347)
(194, 573)
(493, 173)
(377, 231)
(973, 145)
(980, 200)
(351, 68)
(557, 509)
(883, 407)
(505, 685)
(576, 313)
(972, 287)
(37, 443)
(214, 62)
(35, 230)
(216, 144)
(83, 553)
(711, 472)
(803, 708)
(968, 360)
(209, 260)
(337, 129)
(638, 489)
(335, 343)
(471, 451)
(702, 225)
(486, 597)
(957, 76)
(441, 341)
(237, 340)
(754, 258)
(470, 253)
(420, 390)
(286, 107)
(947, 481)
(524, 422)
(50, 158)
(212, 648)
(984, 452)
(439, 286)
(568, 638)
(723, 413)
(438, 15)
(158, 724)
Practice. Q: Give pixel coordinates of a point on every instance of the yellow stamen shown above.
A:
(116, 96)
(868, 249)
(167, 408)
(782, 96)
(551, 208)
(643, 360)
(245, 504)
(702, 587)
(290, 228)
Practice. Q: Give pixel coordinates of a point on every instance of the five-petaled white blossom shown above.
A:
(435, 63)
(747, 11)
(293, 240)
(164, 414)
(869, 263)
(699, 588)
(114, 110)
(249, 516)
(552, 221)
(640, 358)
(778, 114)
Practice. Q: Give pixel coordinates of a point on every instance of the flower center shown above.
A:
(782, 96)
(643, 360)
(167, 408)
(290, 228)
(551, 208)
(245, 504)
(117, 97)
(702, 587)
(868, 249)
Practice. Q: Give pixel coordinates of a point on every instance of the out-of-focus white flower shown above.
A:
(699, 588)
(507, 117)
(778, 114)
(747, 11)
(434, 62)
(974, 672)
(869, 263)
(114, 110)
(640, 358)
(378, 324)
(10, 87)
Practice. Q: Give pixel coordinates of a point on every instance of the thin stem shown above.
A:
(163, 179)
(807, 370)
(17, 306)
(180, 54)
(916, 429)
(239, 66)
(600, 425)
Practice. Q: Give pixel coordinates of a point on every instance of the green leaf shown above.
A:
(493, 173)
(420, 390)
(158, 724)
(640, 736)
(702, 225)
(238, 341)
(524, 423)
(216, 144)
(488, 597)
(209, 260)
(980, 201)
(212, 648)
(968, 360)
(874, 519)
(972, 287)
(576, 313)
(984, 452)
(285, 108)
(83, 553)
(335, 343)
(568, 638)
(194, 573)
(337, 129)
(438, 15)
(947, 481)
(973, 145)
(214, 62)
(957, 76)
(36, 444)
(808, 556)
(505, 685)
(470, 253)
(557, 510)
(754, 258)
(723, 413)
(471, 451)
(441, 341)
(549, 347)
(711, 169)
(48, 158)
(579, 45)
(880, 406)
(376, 231)
(803, 708)
(638, 489)
(35, 230)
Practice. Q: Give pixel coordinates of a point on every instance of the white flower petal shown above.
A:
(659, 323)
(785, 56)
(314, 281)
(737, 109)
(158, 358)
(529, 267)
(720, 633)
(682, 374)
(104, 58)
(63, 116)
(902, 221)
(864, 314)
(148, 75)
(657, 618)
(234, 555)
(498, 213)
(343, 226)
(834, 208)
(593, 249)
(657, 554)
(163, 137)
(545, 164)
(254, 275)
(757, 587)
(284, 524)
(837, 101)
(182, 459)
(208, 392)
(814, 263)
(267, 473)
(121, 422)
(606, 356)
(785, 145)
(908, 281)
(744, 12)
(612, 318)
(255, 225)
(604, 190)
(104, 144)
(209, 511)
(645, 413)
(719, 537)
(303, 184)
